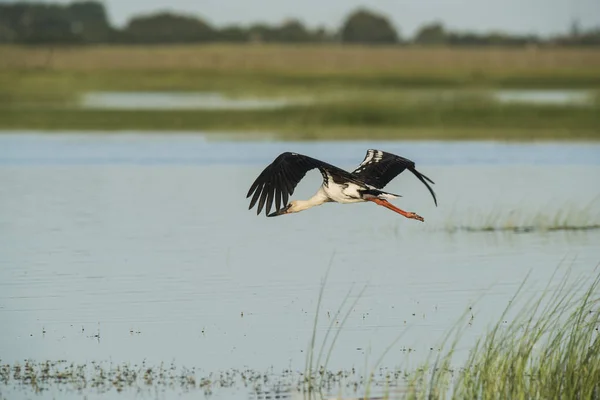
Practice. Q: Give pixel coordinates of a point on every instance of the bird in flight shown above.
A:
(279, 179)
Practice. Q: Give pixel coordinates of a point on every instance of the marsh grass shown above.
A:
(566, 218)
(316, 376)
(313, 59)
(549, 350)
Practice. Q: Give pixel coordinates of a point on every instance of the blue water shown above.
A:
(147, 241)
(177, 101)
(37, 148)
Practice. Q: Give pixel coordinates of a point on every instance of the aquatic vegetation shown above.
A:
(105, 377)
(566, 218)
(316, 377)
(550, 349)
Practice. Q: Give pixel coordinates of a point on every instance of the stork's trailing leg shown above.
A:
(392, 207)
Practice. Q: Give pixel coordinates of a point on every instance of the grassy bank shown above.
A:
(356, 92)
(331, 122)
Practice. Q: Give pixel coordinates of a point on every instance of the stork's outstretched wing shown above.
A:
(379, 168)
(279, 179)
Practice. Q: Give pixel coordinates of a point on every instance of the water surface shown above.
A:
(128, 247)
(177, 101)
(559, 97)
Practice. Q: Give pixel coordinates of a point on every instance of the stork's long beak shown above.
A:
(282, 211)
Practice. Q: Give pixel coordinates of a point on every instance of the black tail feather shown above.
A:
(424, 179)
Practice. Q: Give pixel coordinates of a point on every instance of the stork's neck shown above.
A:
(300, 205)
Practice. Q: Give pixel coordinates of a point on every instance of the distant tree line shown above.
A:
(436, 34)
(86, 22)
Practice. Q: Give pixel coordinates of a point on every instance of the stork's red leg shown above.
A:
(392, 207)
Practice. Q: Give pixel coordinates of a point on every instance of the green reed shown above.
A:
(550, 350)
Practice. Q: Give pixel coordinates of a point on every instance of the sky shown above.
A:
(542, 17)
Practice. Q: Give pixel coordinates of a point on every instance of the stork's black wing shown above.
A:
(279, 179)
(379, 168)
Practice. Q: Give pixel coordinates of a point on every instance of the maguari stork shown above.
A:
(279, 179)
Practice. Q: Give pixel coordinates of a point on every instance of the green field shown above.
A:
(353, 92)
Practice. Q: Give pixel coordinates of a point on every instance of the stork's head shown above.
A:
(294, 207)
(298, 205)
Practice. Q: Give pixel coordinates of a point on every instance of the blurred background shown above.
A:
(130, 132)
(380, 70)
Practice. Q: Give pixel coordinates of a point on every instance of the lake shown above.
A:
(572, 97)
(218, 101)
(179, 101)
(139, 248)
